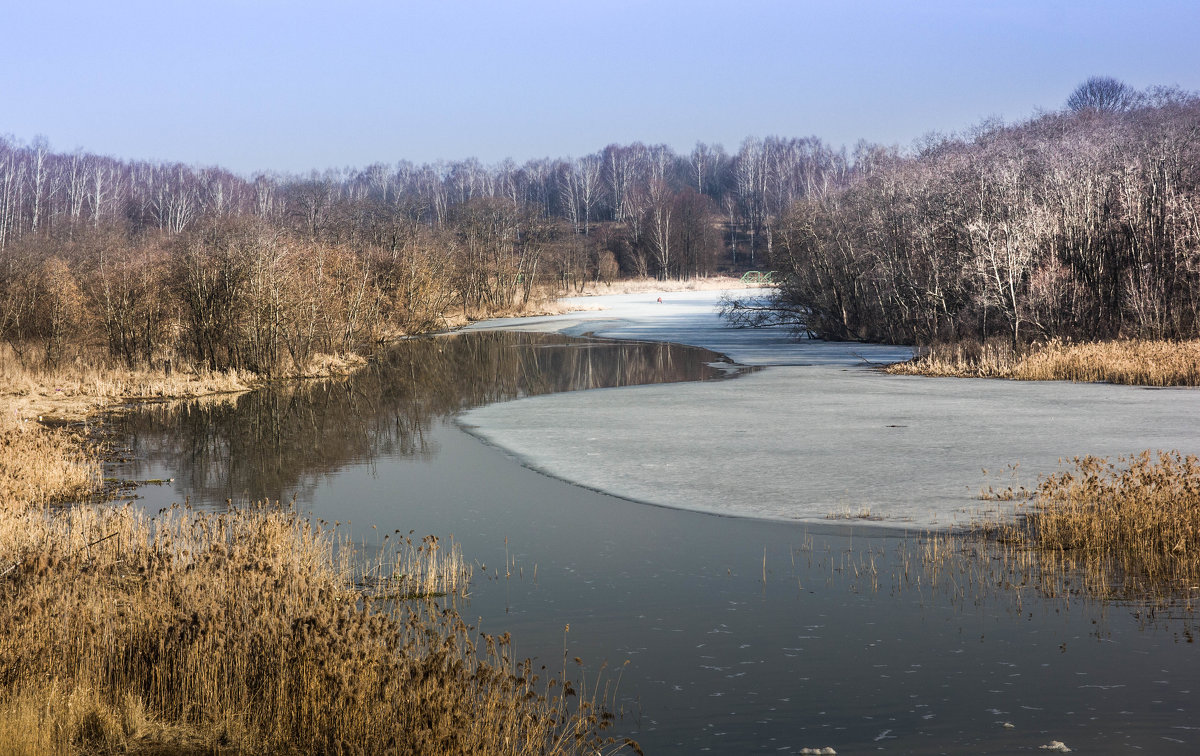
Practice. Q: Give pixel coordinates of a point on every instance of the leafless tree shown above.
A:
(1103, 94)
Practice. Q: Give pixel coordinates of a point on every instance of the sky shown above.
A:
(292, 86)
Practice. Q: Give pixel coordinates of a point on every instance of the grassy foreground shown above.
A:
(248, 631)
(1133, 362)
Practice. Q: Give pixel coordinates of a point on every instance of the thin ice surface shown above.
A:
(819, 435)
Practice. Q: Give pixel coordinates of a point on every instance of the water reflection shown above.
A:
(283, 440)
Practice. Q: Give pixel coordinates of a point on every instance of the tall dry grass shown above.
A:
(72, 389)
(248, 631)
(40, 466)
(1133, 525)
(1124, 530)
(251, 631)
(1133, 362)
(961, 359)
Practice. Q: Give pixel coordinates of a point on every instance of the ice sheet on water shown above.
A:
(818, 433)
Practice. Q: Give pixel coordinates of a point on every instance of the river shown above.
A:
(713, 633)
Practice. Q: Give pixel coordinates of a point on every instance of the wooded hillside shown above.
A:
(1076, 224)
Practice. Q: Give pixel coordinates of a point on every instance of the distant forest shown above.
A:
(263, 273)
(1079, 223)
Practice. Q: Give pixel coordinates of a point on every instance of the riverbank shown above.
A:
(1134, 362)
(46, 455)
(819, 435)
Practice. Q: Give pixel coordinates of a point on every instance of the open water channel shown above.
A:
(719, 634)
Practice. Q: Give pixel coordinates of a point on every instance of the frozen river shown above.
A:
(818, 434)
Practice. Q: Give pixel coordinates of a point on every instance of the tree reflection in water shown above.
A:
(280, 441)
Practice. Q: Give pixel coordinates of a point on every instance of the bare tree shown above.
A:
(43, 182)
(579, 190)
(1104, 94)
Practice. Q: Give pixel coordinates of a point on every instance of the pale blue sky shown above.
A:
(289, 85)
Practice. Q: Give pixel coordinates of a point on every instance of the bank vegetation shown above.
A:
(180, 267)
(1081, 224)
(1138, 362)
(250, 630)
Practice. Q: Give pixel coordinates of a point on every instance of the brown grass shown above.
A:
(963, 359)
(251, 631)
(39, 466)
(1133, 362)
(1110, 531)
(1133, 525)
(1141, 363)
(72, 390)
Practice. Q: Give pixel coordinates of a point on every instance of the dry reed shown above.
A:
(1133, 526)
(250, 631)
(71, 390)
(1132, 362)
(963, 359)
(1110, 531)
(39, 466)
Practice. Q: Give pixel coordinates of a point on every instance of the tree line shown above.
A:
(154, 259)
(1078, 224)
(648, 189)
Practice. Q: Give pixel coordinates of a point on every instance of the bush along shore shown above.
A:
(252, 630)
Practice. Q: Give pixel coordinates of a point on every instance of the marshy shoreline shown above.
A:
(241, 631)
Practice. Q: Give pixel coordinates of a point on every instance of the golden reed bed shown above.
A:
(1123, 530)
(1132, 525)
(251, 631)
(1133, 362)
